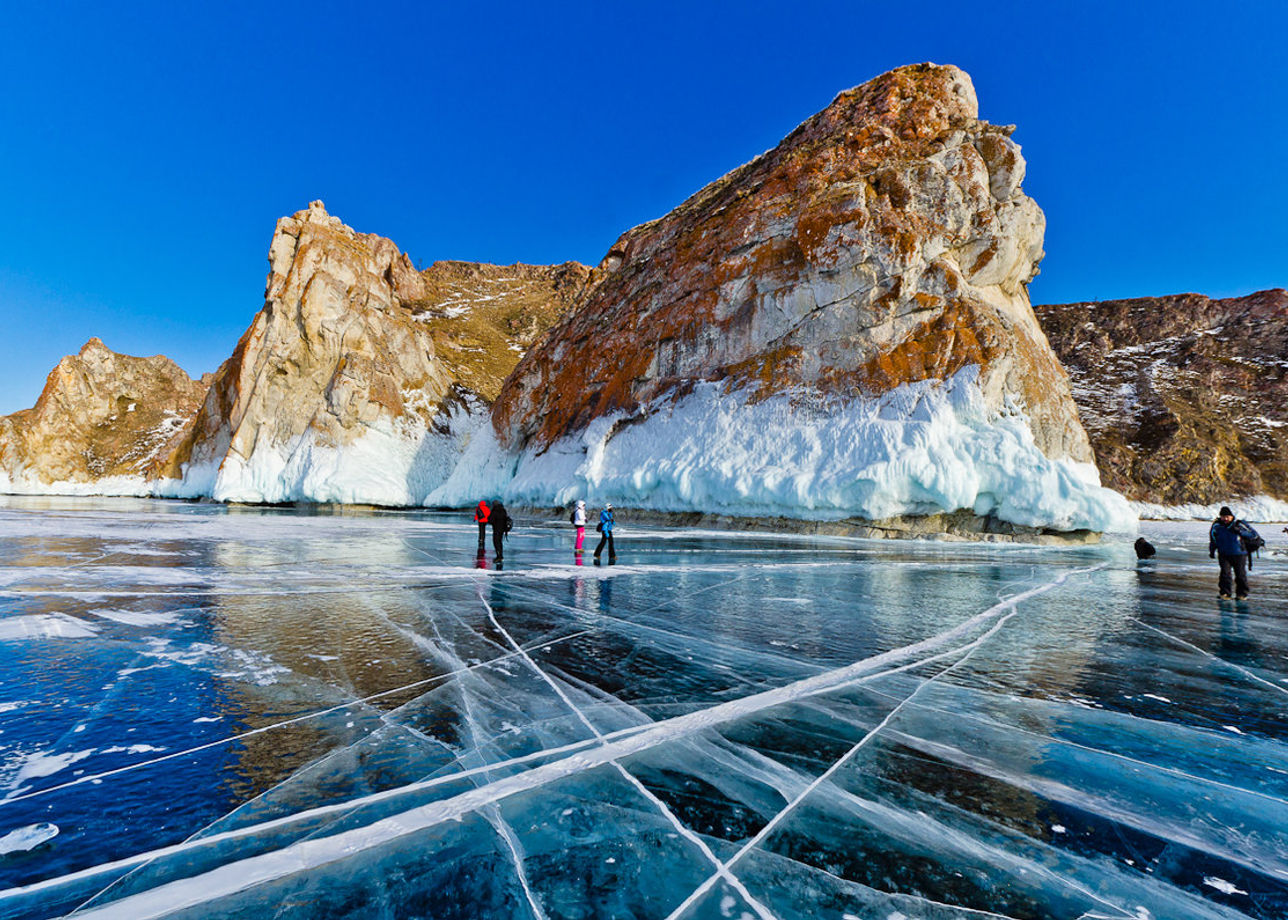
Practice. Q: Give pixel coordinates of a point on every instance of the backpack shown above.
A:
(1251, 543)
(572, 518)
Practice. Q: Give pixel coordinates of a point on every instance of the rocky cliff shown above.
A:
(871, 271)
(361, 377)
(360, 380)
(1185, 398)
(105, 421)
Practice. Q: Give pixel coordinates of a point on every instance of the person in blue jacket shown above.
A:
(1225, 546)
(606, 528)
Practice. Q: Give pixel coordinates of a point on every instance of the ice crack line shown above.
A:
(93, 777)
(1230, 664)
(776, 820)
(313, 852)
(667, 813)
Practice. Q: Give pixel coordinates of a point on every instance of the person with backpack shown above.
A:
(579, 521)
(1230, 541)
(606, 528)
(480, 517)
(501, 524)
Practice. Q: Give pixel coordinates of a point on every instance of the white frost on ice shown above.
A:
(137, 618)
(40, 764)
(27, 838)
(1221, 885)
(919, 449)
(45, 626)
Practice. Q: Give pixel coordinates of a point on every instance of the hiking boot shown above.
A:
(1241, 597)
(1224, 597)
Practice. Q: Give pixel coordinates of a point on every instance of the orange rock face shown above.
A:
(885, 241)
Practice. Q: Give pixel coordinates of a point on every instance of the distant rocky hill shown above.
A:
(1185, 398)
(103, 421)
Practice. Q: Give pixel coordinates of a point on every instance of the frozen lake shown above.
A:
(228, 712)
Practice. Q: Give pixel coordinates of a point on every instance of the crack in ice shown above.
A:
(245, 873)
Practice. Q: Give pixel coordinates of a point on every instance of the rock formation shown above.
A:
(883, 248)
(104, 422)
(1185, 398)
(885, 241)
(358, 380)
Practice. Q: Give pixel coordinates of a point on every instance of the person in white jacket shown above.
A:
(579, 521)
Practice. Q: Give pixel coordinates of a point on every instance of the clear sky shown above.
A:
(146, 149)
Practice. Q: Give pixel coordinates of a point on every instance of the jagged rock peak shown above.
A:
(885, 241)
(100, 415)
(356, 354)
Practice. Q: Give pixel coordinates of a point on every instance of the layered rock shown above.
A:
(870, 269)
(1185, 398)
(103, 423)
(361, 377)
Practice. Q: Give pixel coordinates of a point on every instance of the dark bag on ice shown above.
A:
(1144, 549)
(1251, 543)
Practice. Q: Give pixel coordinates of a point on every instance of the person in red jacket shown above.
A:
(481, 514)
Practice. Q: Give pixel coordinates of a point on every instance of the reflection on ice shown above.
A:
(229, 711)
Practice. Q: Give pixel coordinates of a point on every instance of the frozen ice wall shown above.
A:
(391, 464)
(919, 449)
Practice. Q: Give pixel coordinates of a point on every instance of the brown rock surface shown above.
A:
(885, 241)
(354, 341)
(1185, 398)
(101, 415)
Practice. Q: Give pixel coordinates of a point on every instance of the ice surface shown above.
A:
(285, 713)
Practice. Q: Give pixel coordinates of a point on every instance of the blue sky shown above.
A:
(146, 149)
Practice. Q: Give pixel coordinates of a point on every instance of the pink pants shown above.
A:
(581, 535)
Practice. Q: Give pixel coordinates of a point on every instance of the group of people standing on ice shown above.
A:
(499, 520)
(605, 528)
